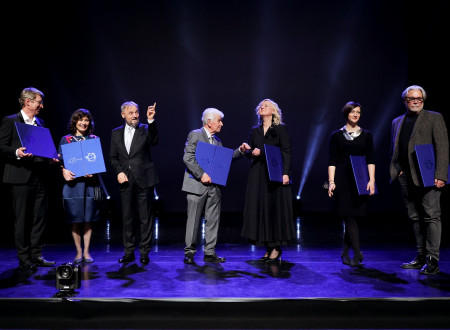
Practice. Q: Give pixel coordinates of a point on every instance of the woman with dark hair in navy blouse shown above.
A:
(80, 208)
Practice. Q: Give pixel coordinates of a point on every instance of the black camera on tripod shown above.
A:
(68, 277)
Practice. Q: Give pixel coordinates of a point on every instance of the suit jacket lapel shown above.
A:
(205, 135)
(19, 115)
(121, 136)
(136, 136)
(217, 141)
(397, 132)
(38, 121)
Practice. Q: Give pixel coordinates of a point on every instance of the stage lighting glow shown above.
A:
(108, 230)
(316, 139)
(203, 228)
(155, 194)
(156, 234)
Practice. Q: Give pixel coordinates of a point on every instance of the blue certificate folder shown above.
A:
(361, 173)
(215, 161)
(427, 163)
(274, 162)
(83, 157)
(37, 140)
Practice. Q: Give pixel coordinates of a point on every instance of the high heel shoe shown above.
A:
(346, 259)
(277, 258)
(266, 255)
(357, 260)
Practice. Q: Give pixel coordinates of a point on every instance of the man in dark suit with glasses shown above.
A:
(28, 177)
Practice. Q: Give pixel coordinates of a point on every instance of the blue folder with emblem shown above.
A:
(274, 162)
(83, 157)
(37, 140)
(361, 174)
(215, 161)
(427, 163)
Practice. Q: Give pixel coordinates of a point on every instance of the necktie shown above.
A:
(129, 138)
(211, 139)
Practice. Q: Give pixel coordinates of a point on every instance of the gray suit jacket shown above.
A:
(193, 184)
(429, 129)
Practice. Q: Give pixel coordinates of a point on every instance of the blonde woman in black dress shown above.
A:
(268, 214)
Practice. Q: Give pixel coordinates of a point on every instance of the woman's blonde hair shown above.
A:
(277, 117)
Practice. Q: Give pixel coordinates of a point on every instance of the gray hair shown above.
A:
(406, 91)
(210, 113)
(29, 93)
(128, 104)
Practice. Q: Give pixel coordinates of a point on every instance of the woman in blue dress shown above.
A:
(80, 208)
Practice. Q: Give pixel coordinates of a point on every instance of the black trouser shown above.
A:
(132, 196)
(30, 204)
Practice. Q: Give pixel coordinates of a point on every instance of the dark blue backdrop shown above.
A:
(311, 57)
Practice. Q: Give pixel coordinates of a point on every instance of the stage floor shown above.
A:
(310, 271)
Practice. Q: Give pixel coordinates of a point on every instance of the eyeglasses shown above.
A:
(414, 99)
(40, 102)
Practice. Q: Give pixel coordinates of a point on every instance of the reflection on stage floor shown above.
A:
(310, 272)
(310, 267)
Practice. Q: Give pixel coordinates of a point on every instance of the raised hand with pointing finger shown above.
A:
(151, 111)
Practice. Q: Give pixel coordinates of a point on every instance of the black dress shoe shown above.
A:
(26, 266)
(41, 262)
(144, 259)
(189, 258)
(127, 258)
(417, 263)
(213, 258)
(431, 267)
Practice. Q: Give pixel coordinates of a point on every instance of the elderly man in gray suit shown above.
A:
(419, 126)
(202, 194)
